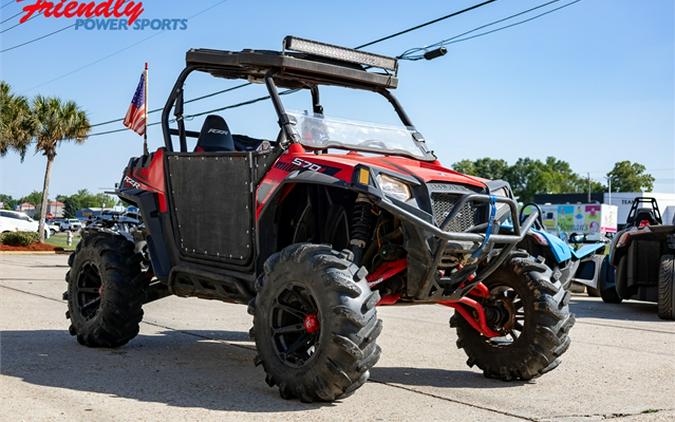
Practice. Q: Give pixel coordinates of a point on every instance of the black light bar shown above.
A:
(350, 55)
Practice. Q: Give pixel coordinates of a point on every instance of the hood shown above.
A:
(427, 171)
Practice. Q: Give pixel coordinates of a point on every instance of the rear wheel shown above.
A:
(666, 297)
(106, 290)
(315, 323)
(529, 307)
(607, 283)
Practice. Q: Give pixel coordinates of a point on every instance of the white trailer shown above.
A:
(624, 200)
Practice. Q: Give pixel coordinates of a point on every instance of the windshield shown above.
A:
(318, 131)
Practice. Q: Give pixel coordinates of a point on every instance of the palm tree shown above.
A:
(56, 121)
(17, 123)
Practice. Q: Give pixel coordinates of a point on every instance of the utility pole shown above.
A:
(609, 186)
(589, 187)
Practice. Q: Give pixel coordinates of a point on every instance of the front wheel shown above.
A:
(315, 323)
(529, 307)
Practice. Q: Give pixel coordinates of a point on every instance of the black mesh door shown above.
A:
(211, 199)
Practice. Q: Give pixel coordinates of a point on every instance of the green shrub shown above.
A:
(19, 238)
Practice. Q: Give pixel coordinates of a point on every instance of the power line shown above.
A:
(19, 23)
(11, 17)
(440, 43)
(7, 4)
(192, 116)
(37, 39)
(517, 23)
(99, 60)
(213, 94)
(411, 54)
(431, 22)
(379, 40)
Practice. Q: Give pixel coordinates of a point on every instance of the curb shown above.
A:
(34, 253)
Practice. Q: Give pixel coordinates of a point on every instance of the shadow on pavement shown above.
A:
(630, 310)
(433, 377)
(170, 368)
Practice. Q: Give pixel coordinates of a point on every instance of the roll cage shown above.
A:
(283, 69)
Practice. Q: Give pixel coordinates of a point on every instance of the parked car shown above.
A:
(15, 221)
(72, 224)
(54, 226)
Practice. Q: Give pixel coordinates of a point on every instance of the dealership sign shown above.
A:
(105, 14)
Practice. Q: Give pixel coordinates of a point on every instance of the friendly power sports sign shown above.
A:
(102, 15)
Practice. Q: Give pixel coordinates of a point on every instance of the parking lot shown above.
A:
(193, 361)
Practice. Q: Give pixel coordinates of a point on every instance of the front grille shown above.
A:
(443, 198)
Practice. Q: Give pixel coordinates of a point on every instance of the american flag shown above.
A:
(135, 118)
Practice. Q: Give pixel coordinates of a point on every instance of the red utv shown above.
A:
(316, 228)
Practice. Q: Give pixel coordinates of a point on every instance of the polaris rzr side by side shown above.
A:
(314, 229)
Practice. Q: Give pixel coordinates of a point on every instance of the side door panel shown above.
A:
(212, 200)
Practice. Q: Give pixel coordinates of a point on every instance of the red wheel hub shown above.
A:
(311, 323)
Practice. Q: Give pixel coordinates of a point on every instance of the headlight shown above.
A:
(394, 187)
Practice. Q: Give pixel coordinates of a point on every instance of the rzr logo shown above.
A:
(218, 131)
(70, 9)
(131, 182)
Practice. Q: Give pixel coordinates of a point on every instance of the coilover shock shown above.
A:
(362, 222)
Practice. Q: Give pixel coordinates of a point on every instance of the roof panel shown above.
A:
(290, 69)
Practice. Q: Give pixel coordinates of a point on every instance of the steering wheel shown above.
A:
(539, 222)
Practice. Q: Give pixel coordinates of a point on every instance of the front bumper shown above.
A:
(476, 240)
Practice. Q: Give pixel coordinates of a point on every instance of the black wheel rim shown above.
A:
(89, 290)
(294, 324)
(508, 316)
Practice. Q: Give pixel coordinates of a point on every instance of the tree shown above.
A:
(34, 198)
(558, 177)
(630, 177)
(528, 177)
(56, 121)
(8, 203)
(525, 178)
(465, 167)
(17, 123)
(84, 199)
(487, 168)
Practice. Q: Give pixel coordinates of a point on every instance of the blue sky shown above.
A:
(591, 84)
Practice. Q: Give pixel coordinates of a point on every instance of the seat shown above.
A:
(215, 135)
(645, 216)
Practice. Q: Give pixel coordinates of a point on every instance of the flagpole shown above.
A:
(147, 104)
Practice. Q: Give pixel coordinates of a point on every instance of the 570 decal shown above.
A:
(299, 164)
(306, 165)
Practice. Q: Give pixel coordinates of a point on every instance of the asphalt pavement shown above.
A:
(193, 361)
